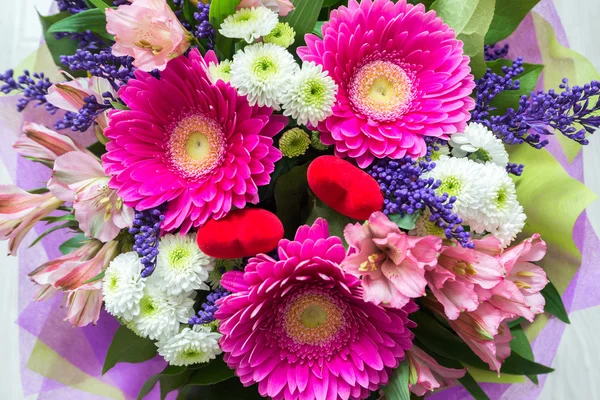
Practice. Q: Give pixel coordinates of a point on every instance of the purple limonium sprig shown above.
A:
(117, 70)
(515, 169)
(87, 114)
(208, 308)
(494, 52)
(146, 228)
(121, 2)
(204, 30)
(71, 6)
(33, 87)
(406, 192)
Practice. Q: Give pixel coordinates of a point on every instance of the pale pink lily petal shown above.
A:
(148, 31)
(84, 307)
(20, 211)
(282, 7)
(72, 275)
(74, 172)
(426, 374)
(44, 144)
(455, 296)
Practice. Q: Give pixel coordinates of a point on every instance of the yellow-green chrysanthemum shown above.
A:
(282, 35)
(294, 143)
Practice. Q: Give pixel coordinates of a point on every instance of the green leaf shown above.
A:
(40, 190)
(405, 221)
(95, 278)
(516, 322)
(303, 19)
(66, 217)
(317, 30)
(507, 17)
(74, 243)
(426, 3)
(231, 389)
(510, 98)
(473, 387)
(188, 11)
(118, 105)
(330, 3)
(282, 167)
(554, 303)
(57, 47)
(292, 199)
(101, 5)
(337, 222)
(126, 346)
(219, 10)
(69, 224)
(471, 20)
(169, 383)
(170, 370)
(217, 371)
(520, 345)
(94, 20)
(397, 389)
(518, 365)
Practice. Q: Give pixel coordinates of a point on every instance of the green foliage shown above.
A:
(96, 278)
(169, 372)
(93, 20)
(337, 222)
(303, 19)
(405, 221)
(317, 30)
(520, 345)
(397, 389)
(188, 11)
(473, 387)
(507, 17)
(68, 224)
(510, 98)
(282, 167)
(74, 243)
(219, 10)
(291, 197)
(426, 3)
(57, 47)
(231, 389)
(126, 346)
(118, 105)
(99, 4)
(554, 303)
(471, 20)
(217, 371)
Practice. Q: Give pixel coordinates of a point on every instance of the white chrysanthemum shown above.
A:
(181, 266)
(508, 230)
(123, 286)
(501, 197)
(161, 314)
(282, 35)
(249, 24)
(460, 178)
(190, 346)
(262, 72)
(220, 71)
(479, 144)
(442, 152)
(310, 96)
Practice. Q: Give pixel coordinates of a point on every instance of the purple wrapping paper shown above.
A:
(73, 368)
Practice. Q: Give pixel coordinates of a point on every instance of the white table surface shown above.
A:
(576, 363)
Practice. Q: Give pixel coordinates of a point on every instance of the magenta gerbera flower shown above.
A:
(401, 75)
(198, 146)
(299, 327)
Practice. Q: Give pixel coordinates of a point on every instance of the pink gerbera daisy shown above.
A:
(299, 327)
(198, 146)
(401, 75)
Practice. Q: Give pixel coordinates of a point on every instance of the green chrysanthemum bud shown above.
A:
(282, 35)
(222, 266)
(294, 143)
(315, 141)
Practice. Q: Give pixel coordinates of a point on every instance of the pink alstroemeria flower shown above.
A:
(282, 7)
(80, 178)
(520, 293)
(70, 273)
(425, 374)
(148, 31)
(391, 263)
(69, 96)
(44, 144)
(461, 274)
(20, 211)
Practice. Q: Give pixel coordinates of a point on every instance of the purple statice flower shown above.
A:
(406, 192)
(121, 2)
(33, 87)
(494, 52)
(71, 6)
(208, 308)
(85, 40)
(87, 114)
(515, 169)
(204, 30)
(118, 70)
(146, 228)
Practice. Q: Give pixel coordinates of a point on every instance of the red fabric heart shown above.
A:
(344, 187)
(242, 233)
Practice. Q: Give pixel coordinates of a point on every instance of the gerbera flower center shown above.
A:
(312, 318)
(264, 67)
(381, 90)
(196, 146)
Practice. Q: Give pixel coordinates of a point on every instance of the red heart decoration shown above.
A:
(242, 233)
(344, 187)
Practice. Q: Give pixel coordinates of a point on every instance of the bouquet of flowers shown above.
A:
(302, 199)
